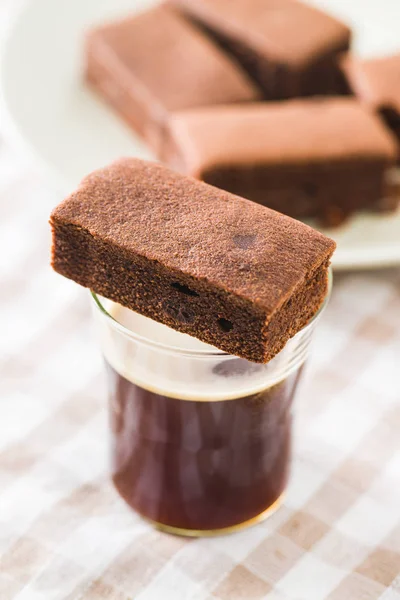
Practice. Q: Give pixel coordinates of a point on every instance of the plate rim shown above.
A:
(10, 127)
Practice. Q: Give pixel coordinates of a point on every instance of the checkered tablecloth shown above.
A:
(64, 532)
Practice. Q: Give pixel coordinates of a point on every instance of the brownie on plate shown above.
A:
(323, 158)
(376, 82)
(289, 48)
(156, 62)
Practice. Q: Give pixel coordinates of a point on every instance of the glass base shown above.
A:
(215, 532)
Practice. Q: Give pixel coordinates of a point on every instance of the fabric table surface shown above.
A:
(64, 532)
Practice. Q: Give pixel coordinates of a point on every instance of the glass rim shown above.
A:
(187, 352)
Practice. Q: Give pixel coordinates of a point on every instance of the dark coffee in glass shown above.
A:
(201, 441)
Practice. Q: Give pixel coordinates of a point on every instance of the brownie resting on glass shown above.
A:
(207, 263)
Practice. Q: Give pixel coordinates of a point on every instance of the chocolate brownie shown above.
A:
(207, 263)
(288, 47)
(376, 82)
(156, 62)
(324, 158)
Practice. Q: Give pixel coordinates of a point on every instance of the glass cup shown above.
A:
(201, 440)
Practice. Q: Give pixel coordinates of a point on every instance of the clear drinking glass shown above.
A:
(201, 441)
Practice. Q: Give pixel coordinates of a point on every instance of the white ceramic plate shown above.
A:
(69, 132)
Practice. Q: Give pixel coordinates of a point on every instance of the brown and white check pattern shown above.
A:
(64, 532)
